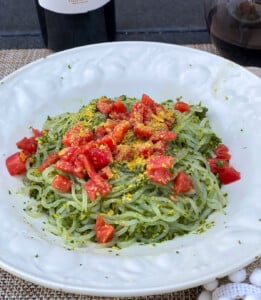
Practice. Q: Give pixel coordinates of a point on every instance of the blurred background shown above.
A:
(171, 21)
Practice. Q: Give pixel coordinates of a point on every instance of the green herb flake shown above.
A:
(36, 255)
(220, 163)
(69, 67)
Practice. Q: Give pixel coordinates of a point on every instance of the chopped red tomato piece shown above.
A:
(100, 157)
(142, 130)
(163, 136)
(100, 131)
(104, 232)
(217, 165)
(145, 149)
(229, 175)
(104, 105)
(97, 186)
(87, 165)
(137, 113)
(148, 101)
(37, 132)
(119, 106)
(157, 168)
(91, 189)
(182, 106)
(77, 135)
(69, 153)
(103, 186)
(109, 125)
(107, 140)
(16, 163)
(64, 166)
(160, 176)
(61, 183)
(182, 183)
(120, 130)
(28, 145)
(159, 161)
(49, 160)
(222, 152)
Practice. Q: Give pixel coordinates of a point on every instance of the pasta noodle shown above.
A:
(139, 209)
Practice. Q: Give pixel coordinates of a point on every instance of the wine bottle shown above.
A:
(70, 23)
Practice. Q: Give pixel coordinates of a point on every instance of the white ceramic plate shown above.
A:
(63, 82)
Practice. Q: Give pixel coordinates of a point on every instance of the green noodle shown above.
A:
(139, 210)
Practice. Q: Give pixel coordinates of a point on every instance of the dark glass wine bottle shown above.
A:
(62, 31)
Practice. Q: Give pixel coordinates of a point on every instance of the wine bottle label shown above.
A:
(72, 6)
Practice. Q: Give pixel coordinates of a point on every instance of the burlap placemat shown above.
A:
(12, 287)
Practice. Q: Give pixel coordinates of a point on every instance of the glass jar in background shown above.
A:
(235, 29)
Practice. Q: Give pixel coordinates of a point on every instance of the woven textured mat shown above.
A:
(12, 287)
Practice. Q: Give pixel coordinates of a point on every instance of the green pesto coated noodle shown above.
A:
(140, 210)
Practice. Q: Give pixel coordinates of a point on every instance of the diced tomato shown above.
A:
(157, 168)
(100, 131)
(69, 153)
(61, 183)
(64, 166)
(120, 130)
(115, 116)
(37, 132)
(229, 175)
(182, 183)
(160, 161)
(104, 105)
(28, 145)
(104, 232)
(119, 106)
(148, 101)
(75, 168)
(104, 187)
(96, 186)
(51, 159)
(109, 125)
(77, 135)
(222, 152)
(137, 113)
(182, 106)
(100, 157)
(217, 165)
(16, 163)
(87, 165)
(163, 136)
(142, 130)
(123, 153)
(79, 169)
(160, 175)
(91, 189)
(107, 140)
(145, 149)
